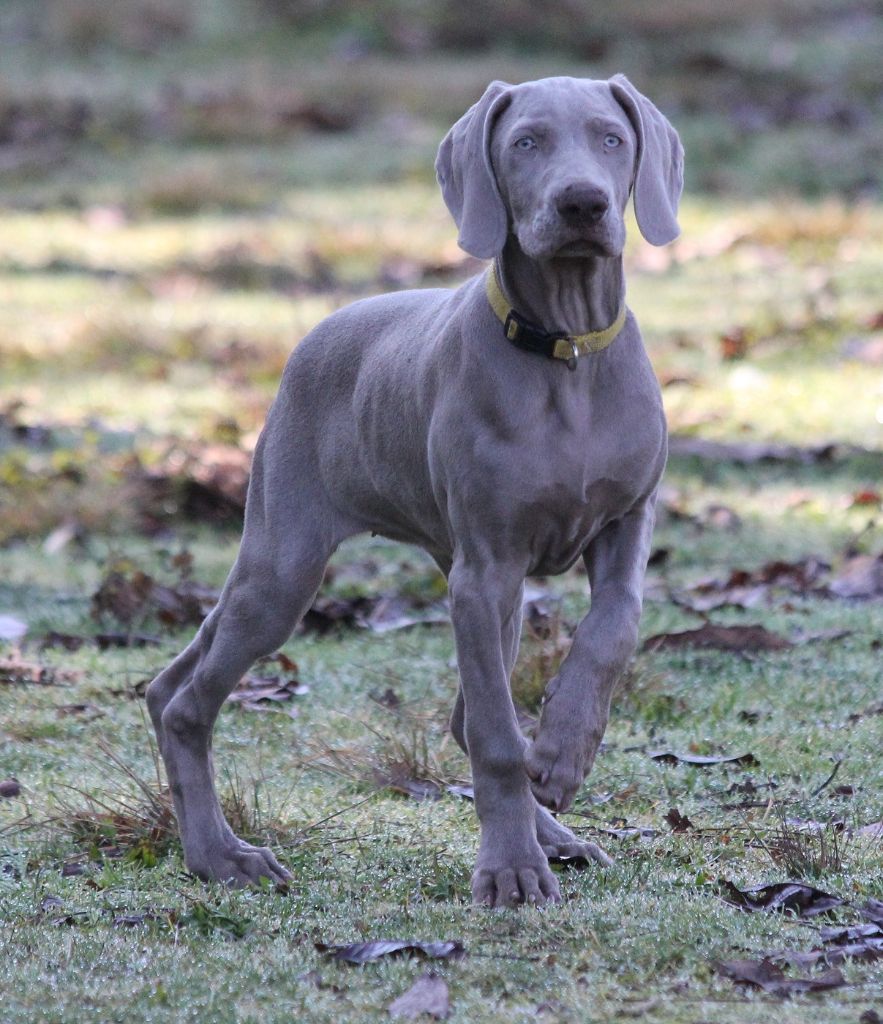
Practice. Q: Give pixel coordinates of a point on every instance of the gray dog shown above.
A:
(509, 427)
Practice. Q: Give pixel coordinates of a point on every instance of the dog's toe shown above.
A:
(240, 865)
(532, 885)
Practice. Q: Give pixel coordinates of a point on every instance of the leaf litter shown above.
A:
(428, 994)
(797, 898)
(367, 952)
(702, 760)
(719, 637)
(766, 975)
(260, 692)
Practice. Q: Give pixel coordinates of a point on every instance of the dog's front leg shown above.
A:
(511, 866)
(577, 701)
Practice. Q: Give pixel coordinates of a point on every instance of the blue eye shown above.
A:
(525, 143)
(611, 141)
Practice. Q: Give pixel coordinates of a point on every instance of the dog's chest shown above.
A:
(587, 471)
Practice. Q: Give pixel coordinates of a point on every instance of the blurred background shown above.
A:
(187, 187)
(770, 95)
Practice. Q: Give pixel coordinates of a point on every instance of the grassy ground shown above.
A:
(151, 286)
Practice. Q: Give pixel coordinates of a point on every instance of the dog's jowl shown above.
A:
(510, 426)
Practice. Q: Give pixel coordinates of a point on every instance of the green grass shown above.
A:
(385, 866)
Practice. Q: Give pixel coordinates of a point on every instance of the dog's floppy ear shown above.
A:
(659, 172)
(466, 176)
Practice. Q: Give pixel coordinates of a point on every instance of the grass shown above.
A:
(369, 862)
(151, 286)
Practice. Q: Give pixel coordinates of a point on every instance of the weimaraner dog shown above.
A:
(509, 427)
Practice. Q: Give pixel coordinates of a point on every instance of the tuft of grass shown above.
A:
(544, 645)
(406, 752)
(808, 850)
(131, 817)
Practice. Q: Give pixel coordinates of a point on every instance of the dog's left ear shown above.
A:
(467, 179)
(659, 173)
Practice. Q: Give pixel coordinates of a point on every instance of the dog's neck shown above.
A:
(570, 294)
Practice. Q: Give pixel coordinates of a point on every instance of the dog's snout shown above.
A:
(582, 204)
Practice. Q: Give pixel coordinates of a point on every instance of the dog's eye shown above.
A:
(525, 143)
(611, 141)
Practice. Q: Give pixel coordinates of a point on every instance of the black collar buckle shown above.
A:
(530, 338)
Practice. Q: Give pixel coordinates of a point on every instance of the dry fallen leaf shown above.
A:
(678, 822)
(366, 952)
(16, 671)
(859, 577)
(428, 994)
(259, 692)
(701, 760)
(9, 788)
(725, 638)
(768, 976)
(103, 641)
(797, 898)
(127, 593)
(747, 589)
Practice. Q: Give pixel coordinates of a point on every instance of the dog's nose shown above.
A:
(581, 204)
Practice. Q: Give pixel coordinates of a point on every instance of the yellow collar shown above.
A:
(555, 345)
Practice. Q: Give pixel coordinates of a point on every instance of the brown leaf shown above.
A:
(393, 612)
(866, 498)
(103, 641)
(9, 788)
(857, 716)
(127, 593)
(122, 595)
(677, 821)
(627, 831)
(746, 589)
(199, 481)
(724, 638)
(733, 344)
(16, 671)
(768, 976)
(387, 698)
(860, 577)
(328, 613)
(795, 897)
(88, 711)
(367, 952)
(259, 692)
(701, 760)
(399, 779)
(428, 994)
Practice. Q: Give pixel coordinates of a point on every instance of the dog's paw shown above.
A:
(239, 865)
(558, 843)
(522, 882)
(555, 775)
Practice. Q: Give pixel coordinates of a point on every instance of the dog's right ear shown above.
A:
(466, 176)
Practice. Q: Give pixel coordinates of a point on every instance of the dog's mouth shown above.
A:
(583, 247)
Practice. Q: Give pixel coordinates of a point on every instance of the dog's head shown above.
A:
(553, 163)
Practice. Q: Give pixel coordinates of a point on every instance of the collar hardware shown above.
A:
(530, 337)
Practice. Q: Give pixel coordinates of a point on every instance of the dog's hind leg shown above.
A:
(287, 541)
